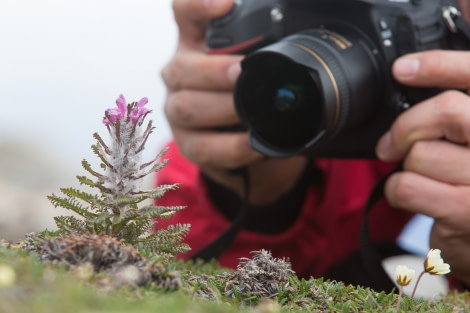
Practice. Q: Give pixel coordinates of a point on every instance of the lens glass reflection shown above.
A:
(288, 98)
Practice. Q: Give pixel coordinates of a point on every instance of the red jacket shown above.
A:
(325, 233)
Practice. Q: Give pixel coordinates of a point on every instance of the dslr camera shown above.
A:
(316, 77)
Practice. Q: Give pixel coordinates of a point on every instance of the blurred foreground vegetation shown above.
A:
(40, 287)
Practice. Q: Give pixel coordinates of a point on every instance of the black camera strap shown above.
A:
(370, 255)
(216, 248)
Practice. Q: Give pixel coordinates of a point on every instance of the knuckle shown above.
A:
(239, 152)
(185, 147)
(419, 151)
(176, 4)
(241, 149)
(180, 8)
(449, 102)
(452, 111)
(462, 199)
(178, 107)
(403, 193)
(172, 73)
(167, 109)
(164, 74)
(199, 153)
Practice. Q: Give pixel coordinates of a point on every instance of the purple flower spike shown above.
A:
(139, 110)
(116, 113)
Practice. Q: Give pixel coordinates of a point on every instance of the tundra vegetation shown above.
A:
(108, 258)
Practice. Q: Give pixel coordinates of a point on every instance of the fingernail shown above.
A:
(383, 146)
(234, 71)
(406, 67)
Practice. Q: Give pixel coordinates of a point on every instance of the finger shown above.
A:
(419, 194)
(225, 150)
(439, 160)
(436, 68)
(444, 116)
(200, 109)
(192, 16)
(464, 6)
(194, 70)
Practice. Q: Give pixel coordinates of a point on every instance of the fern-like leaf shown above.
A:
(159, 191)
(71, 204)
(83, 180)
(168, 240)
(154, 211)
(89, 198)
(88, 168)
(70, 224)
(156, 159)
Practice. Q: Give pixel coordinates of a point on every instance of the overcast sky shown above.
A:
(62, 63)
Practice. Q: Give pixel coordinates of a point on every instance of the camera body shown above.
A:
(316, 78)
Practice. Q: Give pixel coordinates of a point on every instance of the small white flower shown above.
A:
(404, 275)
(7, 275)
(434, 264)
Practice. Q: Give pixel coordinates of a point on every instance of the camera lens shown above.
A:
(305, 89)
(288, 98)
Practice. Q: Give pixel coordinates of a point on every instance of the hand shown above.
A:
(200, 100)
(464, 6)
(436, 176)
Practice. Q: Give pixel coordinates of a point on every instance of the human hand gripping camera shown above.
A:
(335, 79)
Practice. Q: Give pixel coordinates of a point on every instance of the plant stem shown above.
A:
(416, 285)
(400, 295)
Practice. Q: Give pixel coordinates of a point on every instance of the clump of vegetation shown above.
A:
(118, 209)
(262, 276)
(94, 253)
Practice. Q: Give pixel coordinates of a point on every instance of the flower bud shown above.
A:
(404, 275)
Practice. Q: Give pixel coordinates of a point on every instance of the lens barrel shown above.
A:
(304, 90)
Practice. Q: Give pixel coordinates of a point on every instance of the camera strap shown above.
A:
(216, 248)
(370, 255)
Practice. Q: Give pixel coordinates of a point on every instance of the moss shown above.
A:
(42, 287)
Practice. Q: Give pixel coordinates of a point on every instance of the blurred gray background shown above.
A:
(62, 63)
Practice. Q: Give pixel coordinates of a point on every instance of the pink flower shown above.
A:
(136, 110)
(139, 110)
(116, 113)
